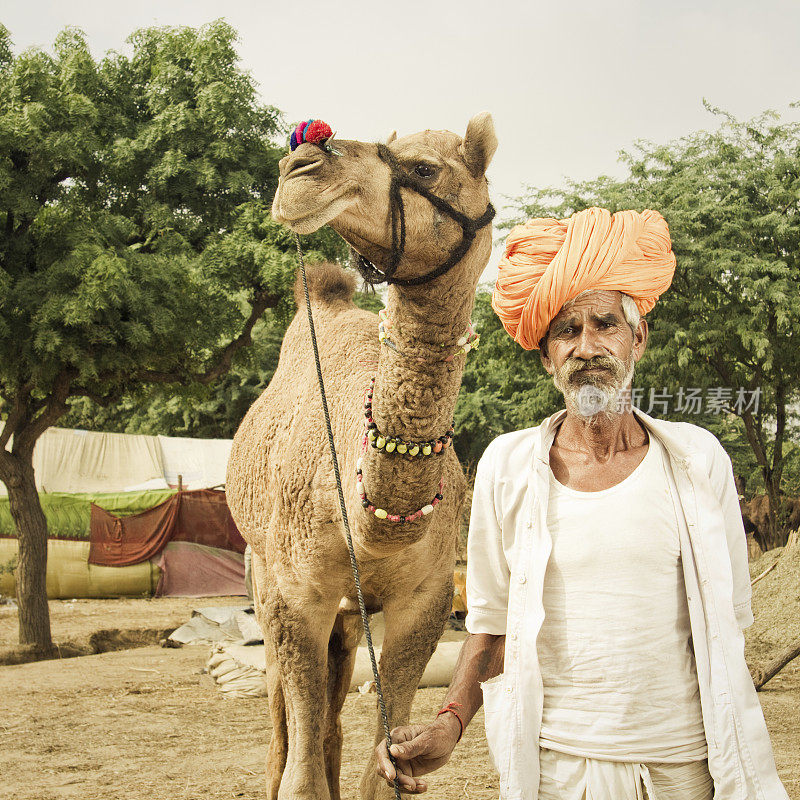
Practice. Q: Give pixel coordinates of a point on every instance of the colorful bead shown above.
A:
(427, 509)
(371, 435)
(402, 447)
(437, 448)
(393, 517)
(390, 446)
(380, 513)
(413, 450)
(426, 449)
(380, 442)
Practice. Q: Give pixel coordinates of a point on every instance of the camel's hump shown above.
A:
(326, 282)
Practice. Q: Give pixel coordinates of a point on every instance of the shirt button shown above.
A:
(529, 524)
(522, 579)
(513, 636)
(509, 689)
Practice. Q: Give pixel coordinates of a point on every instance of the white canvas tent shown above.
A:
(74, 461)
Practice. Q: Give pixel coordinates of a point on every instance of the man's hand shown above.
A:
(418, 749)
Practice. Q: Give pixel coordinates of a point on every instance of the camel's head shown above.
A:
(349, 187)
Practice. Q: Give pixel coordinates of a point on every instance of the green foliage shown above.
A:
(9, 567)
(133, 197)
(213, 411)
(369, 300)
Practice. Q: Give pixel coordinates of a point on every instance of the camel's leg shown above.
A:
(298, 624)
(279, 741)
(342, 648)
(413, 627)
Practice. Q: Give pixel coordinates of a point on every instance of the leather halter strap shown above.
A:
(469, 228)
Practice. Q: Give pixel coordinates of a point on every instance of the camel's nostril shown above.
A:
(301, 166)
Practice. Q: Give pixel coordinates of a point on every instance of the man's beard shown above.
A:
(589, 394)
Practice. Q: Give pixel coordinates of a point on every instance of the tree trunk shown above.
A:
(772, 534)
(31, 525)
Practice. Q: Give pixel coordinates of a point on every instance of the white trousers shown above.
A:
(566, 777)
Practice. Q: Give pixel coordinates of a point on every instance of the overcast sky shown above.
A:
(569, 83)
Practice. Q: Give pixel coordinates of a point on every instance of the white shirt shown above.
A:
(508, 550)
(617, 666)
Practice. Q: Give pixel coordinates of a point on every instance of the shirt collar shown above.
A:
(676, 445)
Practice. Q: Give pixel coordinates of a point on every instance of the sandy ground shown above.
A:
(147, 724)
(77, 620)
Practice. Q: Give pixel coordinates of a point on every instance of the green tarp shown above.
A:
(68, 515)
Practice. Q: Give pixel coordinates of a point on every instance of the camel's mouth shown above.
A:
(305, 207)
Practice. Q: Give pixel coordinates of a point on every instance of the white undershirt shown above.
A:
(614, 649)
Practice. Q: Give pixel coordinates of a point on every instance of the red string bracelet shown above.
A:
(451, 707)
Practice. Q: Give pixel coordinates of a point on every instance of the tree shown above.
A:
(731, 319)
(127, 186)
(215, 410)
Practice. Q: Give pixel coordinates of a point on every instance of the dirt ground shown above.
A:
(147, 724)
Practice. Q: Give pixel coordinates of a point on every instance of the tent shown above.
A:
(118, 527)
(77, 461)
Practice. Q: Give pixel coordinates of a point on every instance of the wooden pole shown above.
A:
(769, 671)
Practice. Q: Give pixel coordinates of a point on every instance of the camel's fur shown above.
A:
(281, 486)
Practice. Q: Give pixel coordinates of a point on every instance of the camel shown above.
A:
(280, 482)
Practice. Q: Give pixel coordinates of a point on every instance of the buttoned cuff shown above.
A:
(481, 620)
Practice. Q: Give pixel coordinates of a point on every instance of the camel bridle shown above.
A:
(400, 179)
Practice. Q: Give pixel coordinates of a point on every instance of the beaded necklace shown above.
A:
(381, 513)
(392, 444)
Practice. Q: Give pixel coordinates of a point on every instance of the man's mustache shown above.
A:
(575, 366)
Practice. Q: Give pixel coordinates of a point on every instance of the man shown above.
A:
(607, 579)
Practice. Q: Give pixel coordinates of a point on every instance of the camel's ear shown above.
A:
(479, 143)
(392, 137)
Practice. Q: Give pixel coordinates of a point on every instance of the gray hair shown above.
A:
(629, 309)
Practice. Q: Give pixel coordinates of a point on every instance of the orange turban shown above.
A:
(550, 261)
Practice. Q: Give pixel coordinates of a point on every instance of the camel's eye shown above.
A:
(424, 170)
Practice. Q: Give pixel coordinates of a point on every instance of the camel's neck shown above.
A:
(415, 394)
(419, 374)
